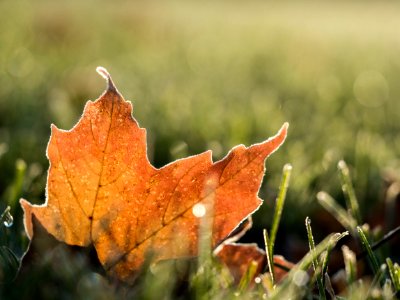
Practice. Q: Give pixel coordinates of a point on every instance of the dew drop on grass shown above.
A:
(9, 222)
(8, 219)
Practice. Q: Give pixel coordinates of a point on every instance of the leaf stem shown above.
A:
(104, 73)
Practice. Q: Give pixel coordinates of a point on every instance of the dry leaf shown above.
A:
(102, 190)
(239, 257)
(281, 267)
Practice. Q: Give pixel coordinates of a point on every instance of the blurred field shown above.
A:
(210, 76)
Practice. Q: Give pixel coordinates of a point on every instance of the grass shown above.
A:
(280, 201)
(210, 76)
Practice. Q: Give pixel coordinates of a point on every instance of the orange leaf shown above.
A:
(238, 257)
(281, 267)
(102, 189)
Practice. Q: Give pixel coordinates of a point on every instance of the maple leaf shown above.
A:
(102, 189)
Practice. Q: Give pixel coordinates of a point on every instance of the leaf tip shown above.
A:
(104, 73)
(53, 127)
(285, 127)
(282, 133)
(24, 203)
(27, 208)
(280, 137)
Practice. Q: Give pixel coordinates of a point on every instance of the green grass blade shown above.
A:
(315, 262)
(340, 214)
(395, 276)
(387, 291)
(280, 200)
(350, 263)
(247, 277)
(201, 282)
(268, 251)
(297, 277)
(325, 261)
(371, 256)
(330, 241)
(397, 272)
(348, 191)
(287, 170)
(328, 286)
(379, 277)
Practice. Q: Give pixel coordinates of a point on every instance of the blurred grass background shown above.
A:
(210, 76)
